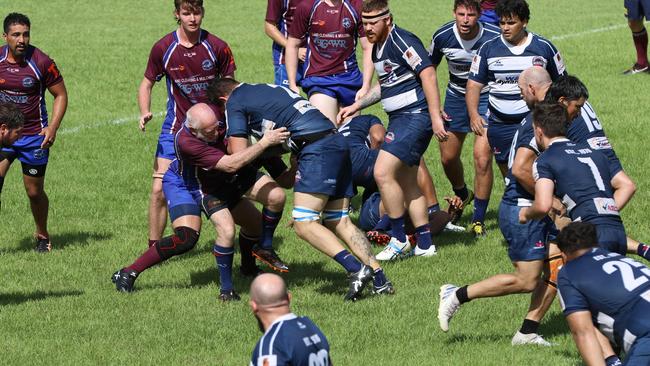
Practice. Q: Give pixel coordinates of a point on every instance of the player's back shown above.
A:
(587, 128)
(515, 193)
(356, 132)
(292, 340)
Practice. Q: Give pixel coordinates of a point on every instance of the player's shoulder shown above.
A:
(36, 56)
(213, 40)
(445, 29)
(543, 43)
(402, 39)
(163, 44)
(492, 45)
(490, 29)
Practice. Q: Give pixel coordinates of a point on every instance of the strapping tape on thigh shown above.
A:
(301, 214)
(334, 215)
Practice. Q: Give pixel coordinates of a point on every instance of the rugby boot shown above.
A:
(124, 280)
(229, 295)
(394, 250)
(270, 257)
(385, 289)
(357, 281)
(636, 69)
(478, 229)
(448, 305)
(532, 338)
(43, 244)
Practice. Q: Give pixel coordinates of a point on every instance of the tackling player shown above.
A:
(288, 339)
(408, 90)
(458, 41)
(635, 11)
(204, 178)
(323, 181)
(331, 29)
(188, 58)
(279, 14)
(26, 72)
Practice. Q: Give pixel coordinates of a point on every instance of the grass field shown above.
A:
(61, 308)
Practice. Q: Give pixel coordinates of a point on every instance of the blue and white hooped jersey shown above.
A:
(498, 65)
(398, 62)
(613, 288)
(515, 194)
(446, 42)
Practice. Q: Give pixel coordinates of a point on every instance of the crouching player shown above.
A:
(323, 181)
(204, 178)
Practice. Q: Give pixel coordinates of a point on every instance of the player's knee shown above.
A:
(35, 193)
(302, 228)
(482, 163)
(226, 231)
(277, 198)
(381, 175)
(528, 284)
(183, 240)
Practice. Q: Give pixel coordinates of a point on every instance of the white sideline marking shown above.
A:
(587, 32)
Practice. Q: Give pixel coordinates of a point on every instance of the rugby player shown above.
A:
(408, 89)
(11, 125)
(188, 58)
(26, 72)
(279, 14)
(606, 289)
(331, 29)
(458, 41)
(635, 11)
(488, 15)
(323, 183)
(288, 339)
(204, 178)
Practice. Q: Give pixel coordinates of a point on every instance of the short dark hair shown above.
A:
(510, 8)
(373, 5)
(552, 118)
(567, 86)
(11, 115)
(193, 5)
(470, 4)
(15, 18)
(219, 88)
(577, 235)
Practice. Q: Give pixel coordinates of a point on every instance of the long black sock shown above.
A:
(529, 326)
(461, 294)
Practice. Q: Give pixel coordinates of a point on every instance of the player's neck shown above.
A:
(521, 39)
(13, 59)
(187, 39)
(471, 35)
(333, 2)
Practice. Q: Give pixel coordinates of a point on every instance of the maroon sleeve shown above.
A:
(155, 69)
(358, 6)
(197, 152)
(225, 60)
(300, 23)
(273, 11)
(50, 72)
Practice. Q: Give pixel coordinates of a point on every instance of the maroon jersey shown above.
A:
(488, 4)
(280, 13)
(188, 72)
(25, 83)
(331, 34)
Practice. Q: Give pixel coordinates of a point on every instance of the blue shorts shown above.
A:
(526, 242)
(500, 136)
(369, 215)
(165, 147)
(281, 77)
(489, 16)
(456, 110)
(324, 168)
(637, 9)
(408, 136)
(342, 87)
(639, 353)
(27, 150)
(364, 170)
(612, 238)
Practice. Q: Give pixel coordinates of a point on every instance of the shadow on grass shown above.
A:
(61, 241)
(477, 338)
(554, 324)
(19, 298)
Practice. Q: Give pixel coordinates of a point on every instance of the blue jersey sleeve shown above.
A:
(236, 120)
(542, 169)
(435, 52)
(479, 70)
(571, 299)
(556, 66)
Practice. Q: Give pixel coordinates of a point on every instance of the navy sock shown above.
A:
(529, 326)
(461, 192)
(270, 221)
(423, 236)
(246, 244)
(613, 361)
(379, 278)
(461, 295)
(434, 208)
(383, 224)
(397, 225)
(643, 251)
(348, 261)
(224, 264)
(480, 206)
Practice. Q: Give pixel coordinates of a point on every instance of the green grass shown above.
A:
(61, 308)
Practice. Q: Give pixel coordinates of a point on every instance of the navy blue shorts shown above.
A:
(612, 238)
(365, 171)
(165, 148)
(408, 136)
(369, 215)
(526, 242)
(489, 16)
(637, 9)
(27, 150)
(456, 110)
(281, 77)
(342, 87)
(500, 136)
(639, 353)
(324, 167)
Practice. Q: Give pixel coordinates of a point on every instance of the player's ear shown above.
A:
(253, 306)
(289, 296)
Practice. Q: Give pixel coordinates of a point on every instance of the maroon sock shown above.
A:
(146, 260)
(641, 45)
(153, 242)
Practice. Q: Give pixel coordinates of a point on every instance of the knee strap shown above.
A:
(183, 240)
(335, 215)
(301, 214)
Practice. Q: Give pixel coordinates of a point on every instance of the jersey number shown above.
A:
(594, 172)
(624, 266)
(319, 359)
(592, 122)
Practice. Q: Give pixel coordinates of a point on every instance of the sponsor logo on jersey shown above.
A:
(320, 23)
(539, 245)
(388, 67)
(2, 81)
(606, 206)
(28, 82)
(476, 61)
(13, 70)
(207, 65)
(412, 58)
(33, 171)
(539, 61)
(599, 143)
(347, 23)
(189, 54)
(177, 68)
(389, 137)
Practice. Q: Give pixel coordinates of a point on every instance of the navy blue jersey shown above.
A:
(446, 42)
(356, 133)
(398, 62)
(586, 128)
(253, 108)
(615, 289)
(294, 341)
(582, 179)
(515, 194)
(498, 65)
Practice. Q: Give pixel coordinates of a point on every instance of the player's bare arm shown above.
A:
(624, 189)
(291, 60)
(543, 201)
(236, 161)
(430, 88)
(368, 67)
(59, 106)
(144, 102)
(372, 97)
(472, 97)
(522, 168)
(584, 334)
(274, 33)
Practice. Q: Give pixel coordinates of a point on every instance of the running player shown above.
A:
(279, 14)
(635, 11)
(288, 339)
(408, 89)
(458, 41)
(323, 181)
(26, 72)
(188, 58)
(331, 29)
(204, 178)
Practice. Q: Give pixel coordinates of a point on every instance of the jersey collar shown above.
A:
(518, 50)
(469, 43)
(562, 139)
(284, 317)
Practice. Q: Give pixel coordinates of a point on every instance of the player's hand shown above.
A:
(361, 93)
(50, 136)
(294, 88)
(346, 112)
(455, 202)
(274, 137)
(302, 54)
(477, 124)
(144, 119)
(439, 129)
(445, 117)
(522, 215)
(558, 208)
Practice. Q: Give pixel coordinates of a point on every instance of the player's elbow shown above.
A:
(228, 165)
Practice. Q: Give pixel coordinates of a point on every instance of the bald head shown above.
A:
(268, 289)
(199, 116)
(533, 84)
(536, 76)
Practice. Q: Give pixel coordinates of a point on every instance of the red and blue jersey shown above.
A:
(331, 33)
(188, 72)
(24, 84)
(280, 13)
